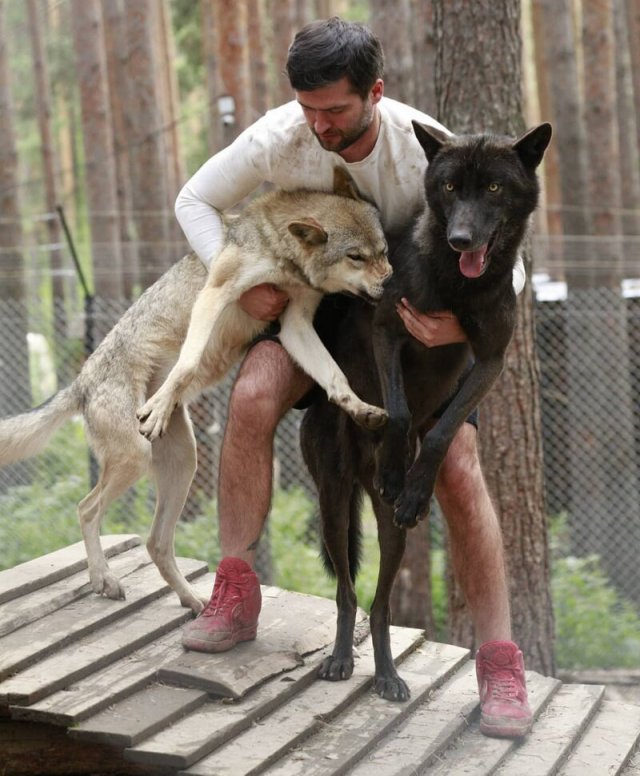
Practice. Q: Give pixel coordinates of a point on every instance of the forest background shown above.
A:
(107, 106)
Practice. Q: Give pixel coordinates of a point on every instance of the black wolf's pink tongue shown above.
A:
(472, 262)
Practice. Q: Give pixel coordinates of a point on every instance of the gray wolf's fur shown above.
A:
(459, 256)
(307, 243)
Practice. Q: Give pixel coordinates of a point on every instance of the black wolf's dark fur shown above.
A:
(480, 191)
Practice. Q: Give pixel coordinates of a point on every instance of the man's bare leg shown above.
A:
(268, 384)
(476, 547)
(477, 556)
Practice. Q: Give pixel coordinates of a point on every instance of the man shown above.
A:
(340, 116)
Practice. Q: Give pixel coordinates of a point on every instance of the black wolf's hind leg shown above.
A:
(319, 439)
(388, 683)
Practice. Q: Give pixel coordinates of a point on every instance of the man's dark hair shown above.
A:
(325, 51)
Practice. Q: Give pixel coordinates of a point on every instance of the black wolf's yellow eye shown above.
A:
(493, 187)
(449, 187)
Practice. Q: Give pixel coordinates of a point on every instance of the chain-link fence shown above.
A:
(589, 348)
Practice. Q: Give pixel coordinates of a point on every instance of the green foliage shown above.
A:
(595, 626)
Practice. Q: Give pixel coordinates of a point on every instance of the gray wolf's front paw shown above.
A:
(154, 416)
(370, 417)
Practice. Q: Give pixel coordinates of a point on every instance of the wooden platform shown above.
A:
(93, 686)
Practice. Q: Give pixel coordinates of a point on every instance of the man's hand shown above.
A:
(431, 329)
(265, 302)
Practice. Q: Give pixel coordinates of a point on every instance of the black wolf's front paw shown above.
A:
(392, 688)
(335, 668)
(413, 504)
(389, 481)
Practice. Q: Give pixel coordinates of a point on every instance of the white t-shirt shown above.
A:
(281, 149)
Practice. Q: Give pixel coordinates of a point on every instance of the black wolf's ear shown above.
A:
(430, 138)
(343, 184)
(531, 146)
(308, 231)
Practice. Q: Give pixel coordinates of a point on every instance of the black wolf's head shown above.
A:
(481, 190)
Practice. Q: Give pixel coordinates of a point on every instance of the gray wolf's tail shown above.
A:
(25, 435)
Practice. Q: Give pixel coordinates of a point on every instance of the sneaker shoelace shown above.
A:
(226, 595)
(503, 687)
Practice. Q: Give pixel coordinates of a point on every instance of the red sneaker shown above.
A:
(232, 613)
(502, 685)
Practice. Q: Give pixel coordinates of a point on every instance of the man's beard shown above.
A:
(339, 140)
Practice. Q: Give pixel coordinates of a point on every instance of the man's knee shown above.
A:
(267, 386)
(461, 470)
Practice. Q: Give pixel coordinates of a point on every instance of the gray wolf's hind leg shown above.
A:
(120, 470)
(173, 465)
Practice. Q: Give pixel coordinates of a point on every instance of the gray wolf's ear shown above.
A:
(343, 184)
(308, 231)
(531, 146)
(430, 138)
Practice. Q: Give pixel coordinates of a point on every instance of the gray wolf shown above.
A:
(309, 243)
(459, 255)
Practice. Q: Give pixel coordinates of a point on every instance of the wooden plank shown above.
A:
(42, 571)
(632, 768)
(38, 603)
(291, 625)
(609, 742)
(265, 742)
(427, 732)
(107, 686)
(556, 732)
(195, 736)
(340, 744)
(139, 716)
(476, 754)
(39, 639)
(189, 740)
(101, 647)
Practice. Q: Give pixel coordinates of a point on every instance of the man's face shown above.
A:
(336, 115)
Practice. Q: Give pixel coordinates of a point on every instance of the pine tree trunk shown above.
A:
(43, 109)
(147, 139)
(478, 87)
(15, 387)
(116, 52)
(88, 38)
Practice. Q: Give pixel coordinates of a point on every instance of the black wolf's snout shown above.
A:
(460, 239)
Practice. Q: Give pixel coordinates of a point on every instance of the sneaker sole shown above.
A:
(203, 645)
(505, 728)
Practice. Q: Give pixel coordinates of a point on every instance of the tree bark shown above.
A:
(116, 53)
(88, 38)
(15, 386)
(232, 25)
(49, 167)
(147, 140)
(212, 70)
(393, 24)
(478, 87)
(281, 14)
(557, 56)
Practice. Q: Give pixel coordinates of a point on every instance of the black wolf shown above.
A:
(459, 256)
